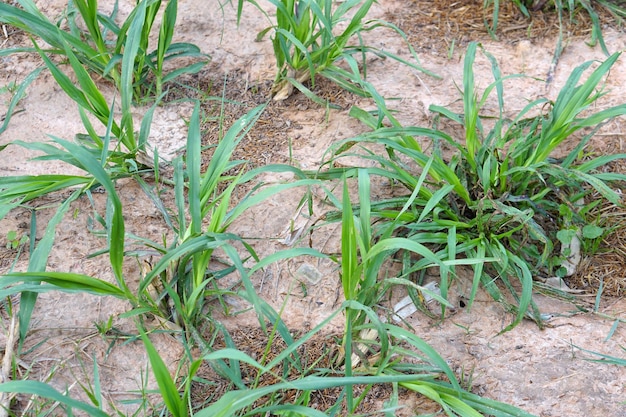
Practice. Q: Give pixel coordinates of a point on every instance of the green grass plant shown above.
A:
(119, 53)
(416, 367)
(200, 221)
(501, 195)
(204, 212)
(312, 37)
(364, 251)
(126, 62)
(106, 157)
(82, 158)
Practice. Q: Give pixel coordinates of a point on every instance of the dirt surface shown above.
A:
(540, 371)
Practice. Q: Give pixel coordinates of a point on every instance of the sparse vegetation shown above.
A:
(501, 204)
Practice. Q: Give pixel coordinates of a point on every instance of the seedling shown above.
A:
(14, 241)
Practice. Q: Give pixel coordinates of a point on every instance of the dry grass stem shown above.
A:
(7, 360)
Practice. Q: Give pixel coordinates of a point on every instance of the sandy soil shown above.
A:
(537, 370)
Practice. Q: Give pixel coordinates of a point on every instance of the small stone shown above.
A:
(405, 307)
(309, 273)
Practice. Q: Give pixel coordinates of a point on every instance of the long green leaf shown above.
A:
(223, 152)
(233, 401)
(38, 261)
(116, 224)
(169, 392)
(128, 75)
(193, 172)
(350, 272)
(46, 391)
(166, 34)
(29, 187)
(470, 106)
(64, 281)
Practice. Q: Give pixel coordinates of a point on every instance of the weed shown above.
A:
(14, 241)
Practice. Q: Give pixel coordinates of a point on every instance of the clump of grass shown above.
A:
(119, 53)
(407, 361)
(203, 213)
(501, 195)
(312, 37)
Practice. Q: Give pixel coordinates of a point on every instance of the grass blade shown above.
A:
(18, 95)
(46, 391)
(64, 281)
(38, 261)
(350, 275)
(193, 172)
(169, 392)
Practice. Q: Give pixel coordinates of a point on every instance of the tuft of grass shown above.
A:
(204, 210)
(119, 53)
(203, 213)
(501, 195)
(128, 65)
(312, 37)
